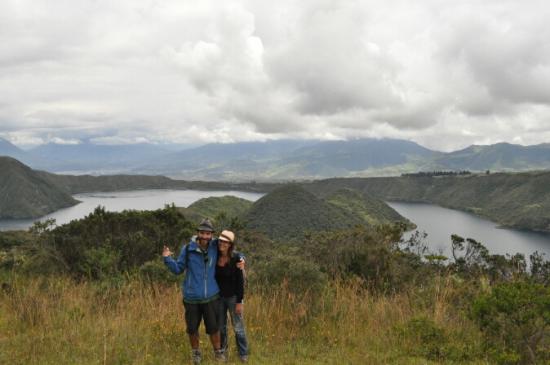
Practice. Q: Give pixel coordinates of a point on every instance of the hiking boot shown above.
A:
(196, 356)
(219, 355)
(244, 358)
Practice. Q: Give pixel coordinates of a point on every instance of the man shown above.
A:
(200, 290)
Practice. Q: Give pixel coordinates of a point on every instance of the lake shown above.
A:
(121, 200)
(439, 223)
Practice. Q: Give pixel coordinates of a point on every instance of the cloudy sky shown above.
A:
(445, 74)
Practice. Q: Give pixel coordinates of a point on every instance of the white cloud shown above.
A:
(443, 73)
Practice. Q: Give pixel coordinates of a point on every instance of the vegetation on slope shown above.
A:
(224, 211)
(309, 302)
(76, 184)
(290, 211)
(497, 157)
(25, 194)
(520, 200)
(371, 210)
(229, 205)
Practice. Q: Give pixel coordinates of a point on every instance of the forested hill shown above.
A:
(25, 193)
(519, 200)
(291, 211)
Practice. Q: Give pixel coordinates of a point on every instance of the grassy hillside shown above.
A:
(371, 210)
(215, 208)
(497, 157)
(289, 211)
(520, 200)
(25, 193)
(96, 291)
(87, 183)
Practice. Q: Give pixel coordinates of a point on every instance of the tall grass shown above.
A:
(57, 320)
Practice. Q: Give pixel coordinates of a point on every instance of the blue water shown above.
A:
(439, 223)
(121, 200)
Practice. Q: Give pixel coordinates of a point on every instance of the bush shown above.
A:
(515, 318)
(100, 263)
(424, 337)
(106, 243)
(301, 276)
(428, 339)
(155, 271)
(372, 255)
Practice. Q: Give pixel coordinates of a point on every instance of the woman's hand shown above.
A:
(166, 251)
(239, 308)
(241, 264)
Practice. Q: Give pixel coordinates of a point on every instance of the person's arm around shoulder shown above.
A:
(240, 260)
(239, 285)
(177, 267)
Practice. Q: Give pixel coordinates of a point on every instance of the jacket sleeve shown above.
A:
(177, 267)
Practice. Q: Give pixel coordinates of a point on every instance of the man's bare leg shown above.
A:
(194, 339)
(216, 340)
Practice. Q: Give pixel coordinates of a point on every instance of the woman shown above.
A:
(231, 282)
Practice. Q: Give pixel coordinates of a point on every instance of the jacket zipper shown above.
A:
(205, 272)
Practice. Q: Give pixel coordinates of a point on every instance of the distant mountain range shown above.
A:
(280, 160)
(497, 157)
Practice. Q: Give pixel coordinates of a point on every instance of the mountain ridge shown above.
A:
(281, 160)
(25, 193)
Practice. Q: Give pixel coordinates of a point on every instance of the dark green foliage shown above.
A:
(11, 239)
(469, 255)
(423, 337)
(104, 242)
(25, 194)
(372, 211)
(472, 259)
(515, 318)
(290, 211)
(212, 206)
(224, 211)
(99, 263)
(299, 275)
(155, 271)
(519, 200)
(540, 269)
(429, 340)
(373, 255)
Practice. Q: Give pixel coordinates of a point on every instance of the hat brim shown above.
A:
(205, 229)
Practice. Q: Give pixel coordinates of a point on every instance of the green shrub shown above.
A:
(515, 318)
(301, 276)
(428, 340)
(424, 337)
(155, 271)
(106, 243)
(100, 263)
